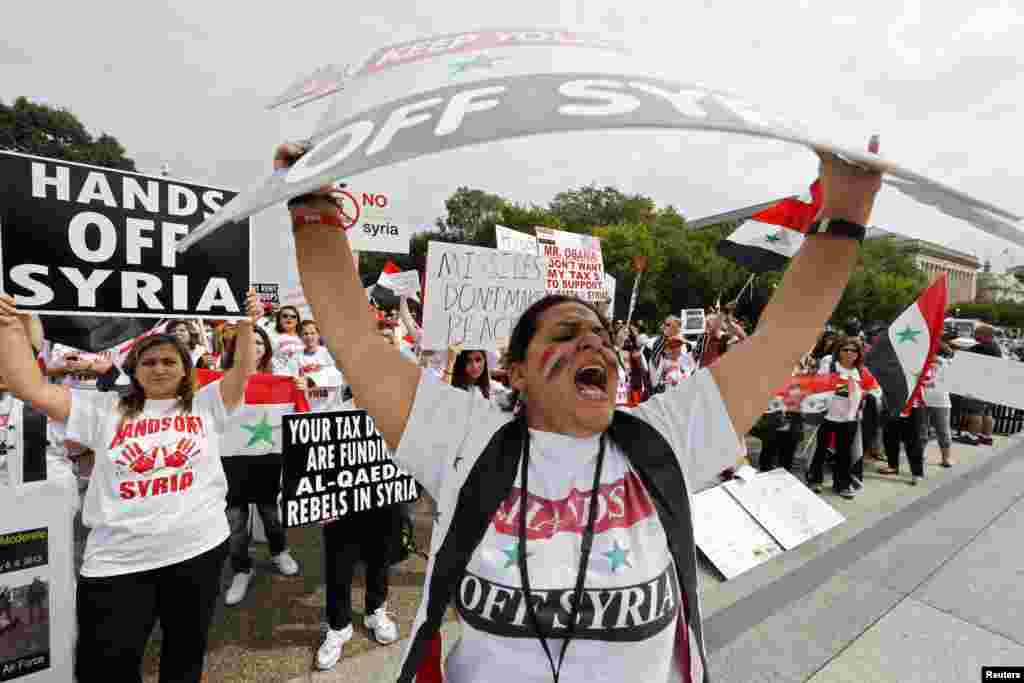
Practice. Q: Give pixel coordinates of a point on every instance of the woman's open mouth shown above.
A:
(592, 383)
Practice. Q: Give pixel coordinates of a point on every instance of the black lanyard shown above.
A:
(588, 540)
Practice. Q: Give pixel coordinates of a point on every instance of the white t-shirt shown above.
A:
(311, 363)
(846, 402)
(672, 371)
(629, 560)
(287, 348)
(157, 493)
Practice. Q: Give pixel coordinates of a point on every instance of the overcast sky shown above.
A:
(186, 83)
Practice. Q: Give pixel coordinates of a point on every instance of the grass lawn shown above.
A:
(274, 633)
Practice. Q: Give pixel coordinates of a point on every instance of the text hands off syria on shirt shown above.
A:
(155, 456)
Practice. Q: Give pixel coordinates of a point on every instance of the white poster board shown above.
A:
(996, 380)
(575, 263)
(508, 239)
(780, 502)
(36, 555)
(728, 535)
(475, 294)
(693, 320)
(406, 283)
(609, 287)
(374, 222)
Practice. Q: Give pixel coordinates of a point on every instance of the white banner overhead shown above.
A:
(441, 93)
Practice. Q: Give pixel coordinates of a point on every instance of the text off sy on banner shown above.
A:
(337, 465)
(77, 239)
(475, 295)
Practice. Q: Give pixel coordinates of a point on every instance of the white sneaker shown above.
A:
(385, 631)
(330, 650)
(285, 563)
(239, 587)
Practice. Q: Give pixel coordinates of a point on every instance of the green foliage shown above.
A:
(57, 133)
(885, 282)
(684, 269)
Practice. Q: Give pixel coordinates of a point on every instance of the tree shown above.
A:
(885, 282)
(469, 212)
(45, 131)
(588, 207)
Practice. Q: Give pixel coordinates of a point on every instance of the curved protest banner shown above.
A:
(446, 92)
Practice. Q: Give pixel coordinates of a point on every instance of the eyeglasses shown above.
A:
(850, 350)
(289, 316)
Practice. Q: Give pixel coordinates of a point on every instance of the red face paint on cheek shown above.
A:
(555, 358)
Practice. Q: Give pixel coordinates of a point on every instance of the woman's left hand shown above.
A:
(301, 383)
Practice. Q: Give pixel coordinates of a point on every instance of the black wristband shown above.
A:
(303, 198)
(838, 227)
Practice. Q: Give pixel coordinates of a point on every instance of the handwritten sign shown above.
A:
(476, 294)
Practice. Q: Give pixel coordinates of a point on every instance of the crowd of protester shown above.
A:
(283, 344)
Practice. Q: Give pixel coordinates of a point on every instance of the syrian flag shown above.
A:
(900, 357)
(256, 426)
(771, 236)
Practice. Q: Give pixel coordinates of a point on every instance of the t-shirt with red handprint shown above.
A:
(157, 492)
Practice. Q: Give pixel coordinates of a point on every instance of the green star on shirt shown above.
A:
(512, 554)
(774, 237)
(617, 556)
(261, 431)
(907, 334)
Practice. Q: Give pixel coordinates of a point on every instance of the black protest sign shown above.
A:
(268, 292)
(77, 239)
(337, 465)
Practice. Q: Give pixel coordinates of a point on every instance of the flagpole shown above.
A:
(640, 264)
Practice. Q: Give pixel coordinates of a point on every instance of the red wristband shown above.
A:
(301, 217)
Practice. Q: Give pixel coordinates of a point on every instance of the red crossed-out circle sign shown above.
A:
(349, 210)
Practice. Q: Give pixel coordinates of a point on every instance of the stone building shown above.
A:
(935, 259)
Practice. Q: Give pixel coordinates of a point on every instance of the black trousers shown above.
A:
(116, 615)
(781, 447)
(253, 479)
(368, 537)
(906, 431)
(845, 433)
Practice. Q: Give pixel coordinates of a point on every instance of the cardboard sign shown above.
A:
(337, 465)
(374, 223)
(78, 239)
(693, 320)
(610, 285)
(475, 294)
(406, 283)
(268, 292)
(37, 582)
(728, 535)
(986, 378)
(508, 239)
(575, 264)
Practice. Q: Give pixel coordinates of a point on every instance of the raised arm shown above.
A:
(383, 382)
(410, 325)
(232, 386)
(803, 303)
(19, 370)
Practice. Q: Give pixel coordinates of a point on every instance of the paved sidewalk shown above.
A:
(920, 584)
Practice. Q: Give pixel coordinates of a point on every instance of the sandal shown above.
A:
(888, 470)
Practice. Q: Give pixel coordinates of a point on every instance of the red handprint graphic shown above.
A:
(183, 452)
(133, 457)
